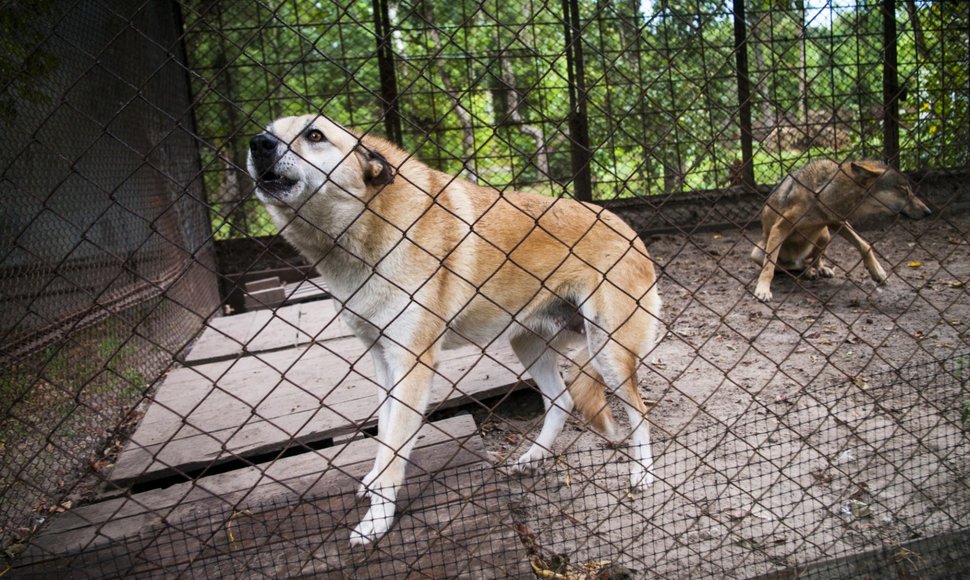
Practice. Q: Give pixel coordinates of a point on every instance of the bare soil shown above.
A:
(828, 422)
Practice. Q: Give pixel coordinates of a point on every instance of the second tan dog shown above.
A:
(799, 213)
(422, 261)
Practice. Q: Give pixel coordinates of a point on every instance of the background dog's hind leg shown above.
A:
(539, 359)
(758, 253)
(779, 233)
(816, 259)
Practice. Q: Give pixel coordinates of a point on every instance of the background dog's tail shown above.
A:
(588, 391)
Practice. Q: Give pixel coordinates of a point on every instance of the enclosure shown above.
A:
(181, 397)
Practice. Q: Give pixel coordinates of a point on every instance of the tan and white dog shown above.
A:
(421, 261)
(800, 211)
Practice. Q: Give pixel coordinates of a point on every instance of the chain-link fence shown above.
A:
(107, 258)
(818, 430)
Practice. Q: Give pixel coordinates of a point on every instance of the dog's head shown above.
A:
(298, 158)
(888, 190)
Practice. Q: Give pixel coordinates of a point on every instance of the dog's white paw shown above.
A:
(826, 272)
(641, 479)
(375, 522)
(531, 460)
(763, 294)
(879, 275)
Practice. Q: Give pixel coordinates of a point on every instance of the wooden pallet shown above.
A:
(293, 517)
(275, 396)
(272, 292)
(266, 396)
(267, 330)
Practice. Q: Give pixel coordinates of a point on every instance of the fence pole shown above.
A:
(744, 95)
(890, 86)
(580, 153)
(385, 66)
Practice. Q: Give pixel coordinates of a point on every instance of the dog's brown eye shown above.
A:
(315, 135)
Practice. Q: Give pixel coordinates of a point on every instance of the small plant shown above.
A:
(962, 364)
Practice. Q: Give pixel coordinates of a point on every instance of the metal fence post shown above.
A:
(890, 86)
(744, 95)
(580, 153)
(385, 66)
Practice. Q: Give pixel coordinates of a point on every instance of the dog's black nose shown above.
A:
(262, 144)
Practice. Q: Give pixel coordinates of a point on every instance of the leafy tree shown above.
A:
(482, 87)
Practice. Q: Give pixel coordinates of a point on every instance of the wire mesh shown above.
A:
(107, 262)
(875, 470)
(822, 434)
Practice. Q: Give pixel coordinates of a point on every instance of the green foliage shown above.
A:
(24, 66)
(483, 88)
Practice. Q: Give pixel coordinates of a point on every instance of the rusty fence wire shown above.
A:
(182, 397)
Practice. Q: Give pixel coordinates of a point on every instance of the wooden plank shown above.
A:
(267, 330)
(309, 289)
(295, 515)
(267, 298)
(263, 284)
(214, 413)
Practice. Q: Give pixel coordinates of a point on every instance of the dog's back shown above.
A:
(820, 180)
(826, 193)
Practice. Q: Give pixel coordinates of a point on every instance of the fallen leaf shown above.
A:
(915, 264)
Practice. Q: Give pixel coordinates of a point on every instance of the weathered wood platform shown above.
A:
(265, 381)
(293, 516)
(267, 330)
(273, 293)
(257, 387)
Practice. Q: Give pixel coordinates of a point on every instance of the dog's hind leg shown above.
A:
(619, 369)
(410, 380)
(539, 359)
(618, 366)
(816, 259)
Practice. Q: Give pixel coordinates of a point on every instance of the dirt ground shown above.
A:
(784, 433)
(830, 422)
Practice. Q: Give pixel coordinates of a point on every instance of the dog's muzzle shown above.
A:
(263, 150)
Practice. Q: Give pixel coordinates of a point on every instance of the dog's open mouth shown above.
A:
(272, 182)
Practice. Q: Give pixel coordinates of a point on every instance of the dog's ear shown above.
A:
(864, 172)
(377, 170)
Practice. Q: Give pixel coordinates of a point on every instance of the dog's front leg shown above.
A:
(399, 421)
(868, 255)
(779, 233)
(382, 375)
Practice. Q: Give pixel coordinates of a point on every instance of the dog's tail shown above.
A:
(588, 392)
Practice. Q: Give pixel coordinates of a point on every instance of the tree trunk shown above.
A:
(233, 152)
(464, 117)
(921, 48)
(512, 103)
